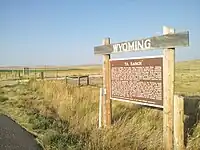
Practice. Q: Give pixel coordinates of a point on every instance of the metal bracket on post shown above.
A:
(104, 91)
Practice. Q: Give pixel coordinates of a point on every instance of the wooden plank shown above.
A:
(106, 85)
(74, 77)
(159, 42)
(84, 76)
(168, 80)
(179, 123)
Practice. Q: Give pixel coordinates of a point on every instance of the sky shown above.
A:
(65, 32)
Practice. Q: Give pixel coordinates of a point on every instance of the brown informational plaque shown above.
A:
(138, 80)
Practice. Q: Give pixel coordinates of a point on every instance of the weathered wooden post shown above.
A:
(12, 73)
(42, 75)
(23, 72)
(35, 74)
(15, 74)
(179, 123)
(19, 74)
(66, 79)
(79, 81)
(106, 85)
(88, 80)
(168, 101)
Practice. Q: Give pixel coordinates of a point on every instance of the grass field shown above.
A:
(66, 116)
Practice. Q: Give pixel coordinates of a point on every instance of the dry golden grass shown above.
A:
(132, 126)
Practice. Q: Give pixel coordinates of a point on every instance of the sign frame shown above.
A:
(133, 101)
(168, 43)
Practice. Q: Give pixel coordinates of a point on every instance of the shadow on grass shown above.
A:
(192, 113)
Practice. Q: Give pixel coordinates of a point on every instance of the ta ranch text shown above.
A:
(138, 63)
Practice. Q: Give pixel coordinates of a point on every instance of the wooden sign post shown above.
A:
(106, 86)
(145, 80)
(169, 73)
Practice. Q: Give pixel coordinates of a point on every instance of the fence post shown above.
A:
(88, 80)
(35, 74)
(19, 74)
(168, 88)
(79, 81)
(42, 75)
(57, 73)
(66, 79)
(179, 123)
(15, 75)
